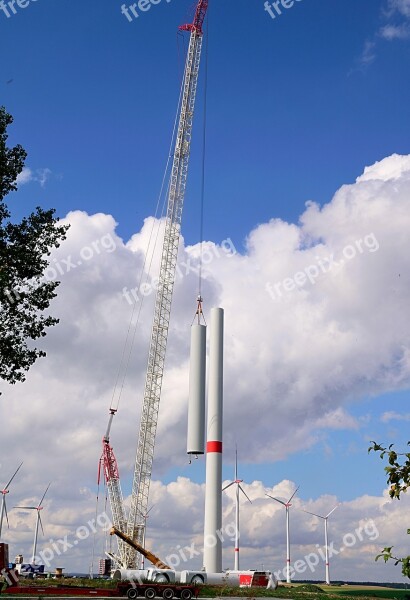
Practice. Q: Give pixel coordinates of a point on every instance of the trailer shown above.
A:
(131, 590)
(167, 591)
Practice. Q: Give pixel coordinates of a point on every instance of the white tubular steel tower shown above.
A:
(162, 311)
(326, 538)
(213, 486)
(197, 376)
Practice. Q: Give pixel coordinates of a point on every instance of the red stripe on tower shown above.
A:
(214, 447)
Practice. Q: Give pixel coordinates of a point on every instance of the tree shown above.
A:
(398, 477)
(25, 294)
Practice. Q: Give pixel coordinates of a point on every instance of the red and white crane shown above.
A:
(135, 524)
(108, 463)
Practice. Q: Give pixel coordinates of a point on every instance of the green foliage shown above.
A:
(310, 587)
(24, 250)
(398, 477)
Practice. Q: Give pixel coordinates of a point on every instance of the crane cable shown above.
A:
(202, 201)
(95, 530)
(114, 405)
(199, 311)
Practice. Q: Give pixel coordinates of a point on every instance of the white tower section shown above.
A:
(162, 311)
(213, 486)
(196, 406)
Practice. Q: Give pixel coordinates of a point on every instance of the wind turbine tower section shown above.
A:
(196, 406)
(213, 486)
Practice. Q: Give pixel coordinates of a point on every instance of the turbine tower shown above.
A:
(3, 510)
(287, 505)
(38, 508)
(237, 482)
(326, 538)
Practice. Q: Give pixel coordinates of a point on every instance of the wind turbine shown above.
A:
(287, 505)
(237, 482)
(326, 538)
(4, 493)
(38, 521)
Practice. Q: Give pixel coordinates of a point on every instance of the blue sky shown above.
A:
(339, 464)
(292, 114)
(298, 106)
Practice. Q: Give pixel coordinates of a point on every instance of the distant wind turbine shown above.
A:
(4, 493)
(326, 538)
(237, 482)
(287, 505)
(38, 521)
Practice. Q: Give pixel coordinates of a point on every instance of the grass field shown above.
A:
(309, 592)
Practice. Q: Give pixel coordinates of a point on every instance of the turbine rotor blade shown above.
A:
(236, 461)
(15, 473)
(7, 517)
(333, 510)
(243, 492)
(41, 523)
(314, 514)
(294, 493)
(44, 495)
(277, 500)
(228, 486)
(26, 507)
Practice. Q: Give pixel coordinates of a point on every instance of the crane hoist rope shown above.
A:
(202, 198)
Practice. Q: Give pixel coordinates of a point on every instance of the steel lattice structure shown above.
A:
(108, 463)
(163, 301)
(134, 527)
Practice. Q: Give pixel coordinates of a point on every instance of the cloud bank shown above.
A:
(294, 362)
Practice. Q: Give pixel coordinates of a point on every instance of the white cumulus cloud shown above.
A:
(334, 330)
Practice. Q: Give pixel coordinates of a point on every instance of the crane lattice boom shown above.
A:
(108, 463)
(153, 558)
(162, 311)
